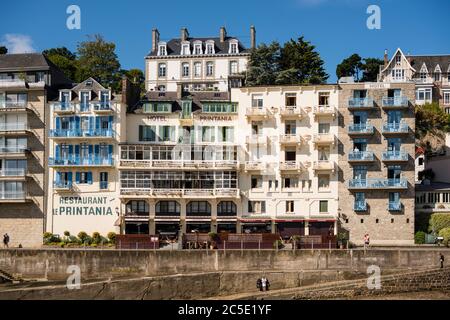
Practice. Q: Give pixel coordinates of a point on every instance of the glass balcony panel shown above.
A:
(360, 103)
(375, 183)
(401, 101)
(360, 156)
(400, 127)
(360, 206)
(395, 156)
(360, 128)
(395, 206)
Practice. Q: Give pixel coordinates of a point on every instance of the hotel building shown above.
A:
(27, 82)
(198, 64)
(84, 133)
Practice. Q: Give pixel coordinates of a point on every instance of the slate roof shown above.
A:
(174, 46)
(24, 62)
(431, 61)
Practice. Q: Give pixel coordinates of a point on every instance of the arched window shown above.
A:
(137, 208)
(226, 208)
(167, 208)
(198, 208)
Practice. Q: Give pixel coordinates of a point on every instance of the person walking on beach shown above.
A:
(441, 260)
(6, 240)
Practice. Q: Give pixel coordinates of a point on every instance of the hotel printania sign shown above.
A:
(84, 206)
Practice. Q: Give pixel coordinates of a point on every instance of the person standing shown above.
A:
(6, 240)
(366, 241)
(264, 284)
(259, 284)
(441, 260)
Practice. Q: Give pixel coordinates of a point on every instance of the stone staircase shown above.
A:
(6, 275)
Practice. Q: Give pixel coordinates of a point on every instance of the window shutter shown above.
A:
(110, 124)
(58, 123)
(57, 152)
(141, 133)
(77, 123)
(69, 176)
(96, 150)
(110, 150)
(97, 123)
(77, 177)
(70, 150)
(263, 207)
(58, 177)
(91, 149)
(89, 177)
(77, 150)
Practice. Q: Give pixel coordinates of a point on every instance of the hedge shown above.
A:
(439, 221)
(419, 237)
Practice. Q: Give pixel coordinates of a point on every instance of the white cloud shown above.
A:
(18, 43)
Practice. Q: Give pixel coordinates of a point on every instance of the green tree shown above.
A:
(430, 118)
(350, 67)
(263, 65)
(300, 64)
(64, 59)
(3, 50)
(371, 68)
(97, 59)
(61, 51)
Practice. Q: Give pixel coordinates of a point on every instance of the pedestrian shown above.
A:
(264, 284)
(366, 241)
(259, 284)
(6, 240)
(441, 259)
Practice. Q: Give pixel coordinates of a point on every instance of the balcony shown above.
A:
(360, 103)
(13, 173)
(361, 156)
(75, 134)
(324, 139)
(257, 113)
(395, 102)
(12, 197)
(62, 185)
(102, 107)
(360, 129)
(394, 156)
(63, 107)
(324, 111)
(375, 183)
(13, 105)
(291, 112)
(290, 139)
(291, 166)
(256, 139)
(179, 193)
(78, 161)
(395, 206)
(254, 166)
(323, 165)
(395, 128)
(360, 206)
(13, 127)
(13, 151)
(12, 83)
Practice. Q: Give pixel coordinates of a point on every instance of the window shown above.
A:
(447, 97)
(209, 68)
(166, 133)
(423, 94)
(162, 70)
(185, 49)
(306, 185)
(324, 98)
(233, 47)
(40, 76)
(398, 74)
(226, 134)
(137, 207)
(162, 50)
(197, 69)
(323, 206)
(256, 206)
(290, 127)
(185, 69)
(198, 208)
(437, 76)
(208, 134)
(257, 101)
(84, 177)
(290, 183)
(324, 128)
(420, 161)
(289, 206)
(324, 182)
(210, 47)
(147, 133)
(360, 201)
(167, 208)
(233, 67)
(398, 60)
(226, 208)
(161, 88)
(256, 182)
(291, 99)
(103, 180)
(423, 76)
(198, 48)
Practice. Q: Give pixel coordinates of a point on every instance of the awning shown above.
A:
(290, 220)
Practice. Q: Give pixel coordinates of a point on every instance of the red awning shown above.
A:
(290, 220)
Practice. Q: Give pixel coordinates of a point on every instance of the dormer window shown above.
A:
(210, 47)
(198, 47)
(162, 49)
(185, 48)
(398, 59)
(233, 47)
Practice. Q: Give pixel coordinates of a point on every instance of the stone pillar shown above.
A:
(238, 216)
(335, 227)
(213, 204)
(151, 221)
(274, 226)
(306, 228)
(183, 216)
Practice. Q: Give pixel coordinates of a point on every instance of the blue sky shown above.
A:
(336, 27)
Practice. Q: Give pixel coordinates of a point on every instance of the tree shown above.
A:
(3, 50)
(371, 69)
(134, 75)
(64, 59)
(300, 64)
(432, 123)
(350, 67)
(97, 59)
(263, 65)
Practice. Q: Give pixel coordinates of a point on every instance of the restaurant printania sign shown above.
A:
(84, 206)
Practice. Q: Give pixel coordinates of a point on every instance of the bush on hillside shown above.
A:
(419, 237)
(439, 221)
(445, 233)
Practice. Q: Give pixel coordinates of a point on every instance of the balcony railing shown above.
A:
(395, 206)
(12, 172)
(375, 183)
(401, 101)
(254, 165)
(13, 127)
(78, 161)
(324, 110)
(63, 107)
(185, 193)
(62, 185)
(256, 139)
(73, 133)
(360, 156)
(290, 138)
(290, 165)
(291, 111)
(256, 112)
(399, 127)
(13, 105)
(360, 206)
(360, 128)
(360, 103)
(12, 149)
(323, 165)
(324, 138)
(394, 156)
(70, 107)
(17, 195)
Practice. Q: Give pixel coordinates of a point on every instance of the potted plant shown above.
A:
(342, 239)
(213, 237)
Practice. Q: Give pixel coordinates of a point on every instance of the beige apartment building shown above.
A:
(376, 161)
(27, 82)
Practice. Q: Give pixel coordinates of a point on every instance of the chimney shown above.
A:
(155, 39)
(386, 60)
(223, 34)
(252, 37)
(184, 34)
